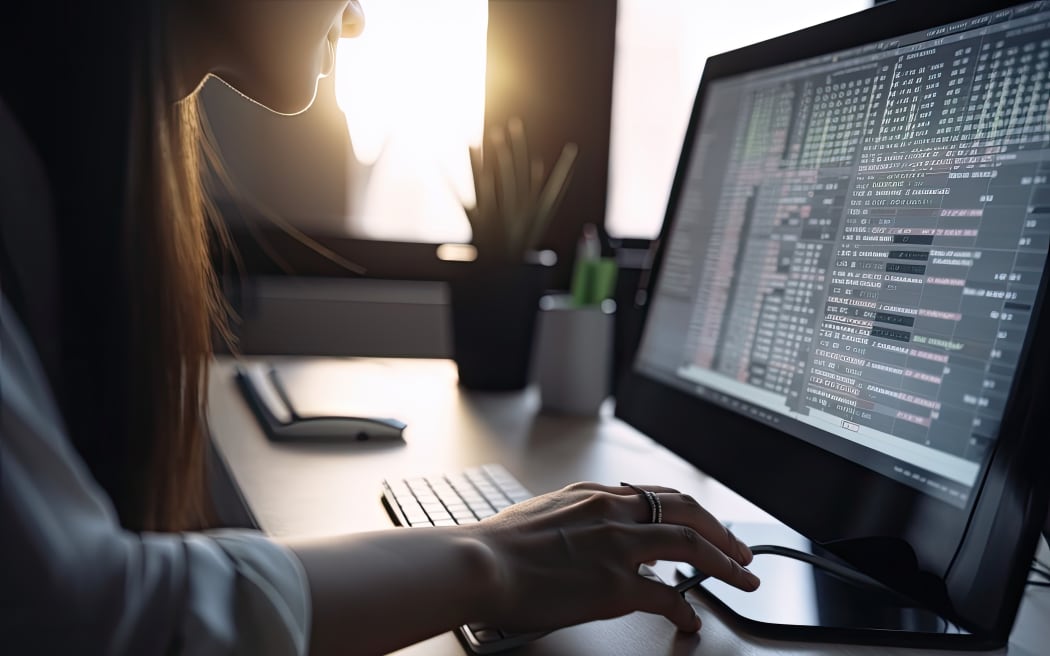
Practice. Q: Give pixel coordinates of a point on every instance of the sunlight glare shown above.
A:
(412, 88)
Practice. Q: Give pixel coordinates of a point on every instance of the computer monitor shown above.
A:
(846, 319)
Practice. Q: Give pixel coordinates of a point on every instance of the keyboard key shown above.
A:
(463, 513)
(418, 485)
(518, 494)
(416, 516)
(474, 500)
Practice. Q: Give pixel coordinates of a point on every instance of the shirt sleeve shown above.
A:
(73, 581)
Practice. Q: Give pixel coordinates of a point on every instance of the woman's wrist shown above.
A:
(483, 583)
(387, 589)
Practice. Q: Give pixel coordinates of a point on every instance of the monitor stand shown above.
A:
(807, 594)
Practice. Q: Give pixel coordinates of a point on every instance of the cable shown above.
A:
(819, 562)
(829, 566)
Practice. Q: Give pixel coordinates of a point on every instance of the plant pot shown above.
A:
(493, 311)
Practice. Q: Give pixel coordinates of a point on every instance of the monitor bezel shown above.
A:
(978, 581)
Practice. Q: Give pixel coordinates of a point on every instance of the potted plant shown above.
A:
(494, 299)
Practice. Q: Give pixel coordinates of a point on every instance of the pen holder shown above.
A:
(573, 355)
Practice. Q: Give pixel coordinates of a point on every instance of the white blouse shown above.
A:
(72, 581)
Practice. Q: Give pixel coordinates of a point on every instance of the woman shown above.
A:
(109, 303)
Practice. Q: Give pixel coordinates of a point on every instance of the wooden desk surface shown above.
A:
(315, 490)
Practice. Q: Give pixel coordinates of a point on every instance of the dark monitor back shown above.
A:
(828, 183)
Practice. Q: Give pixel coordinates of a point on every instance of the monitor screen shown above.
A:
(859, 242)
(843, 319)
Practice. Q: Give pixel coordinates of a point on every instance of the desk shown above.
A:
(327, 489)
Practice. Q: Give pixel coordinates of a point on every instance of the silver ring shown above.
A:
(656, 510)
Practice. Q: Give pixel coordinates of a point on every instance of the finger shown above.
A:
(588, 486)
(685, 544)
(627, 488)
(681, 508)
(620, 490)
(607, 503)
(685, 510)
(661, 599)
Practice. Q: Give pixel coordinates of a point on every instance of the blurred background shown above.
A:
(376, 173)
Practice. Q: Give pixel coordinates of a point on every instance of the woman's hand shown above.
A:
(562, 558)
(572, 556)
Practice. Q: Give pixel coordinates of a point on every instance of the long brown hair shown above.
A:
(122, 157)
(173, 298)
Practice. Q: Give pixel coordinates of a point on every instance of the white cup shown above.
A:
(573, 355)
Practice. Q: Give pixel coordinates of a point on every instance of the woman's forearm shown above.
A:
(375, 592)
